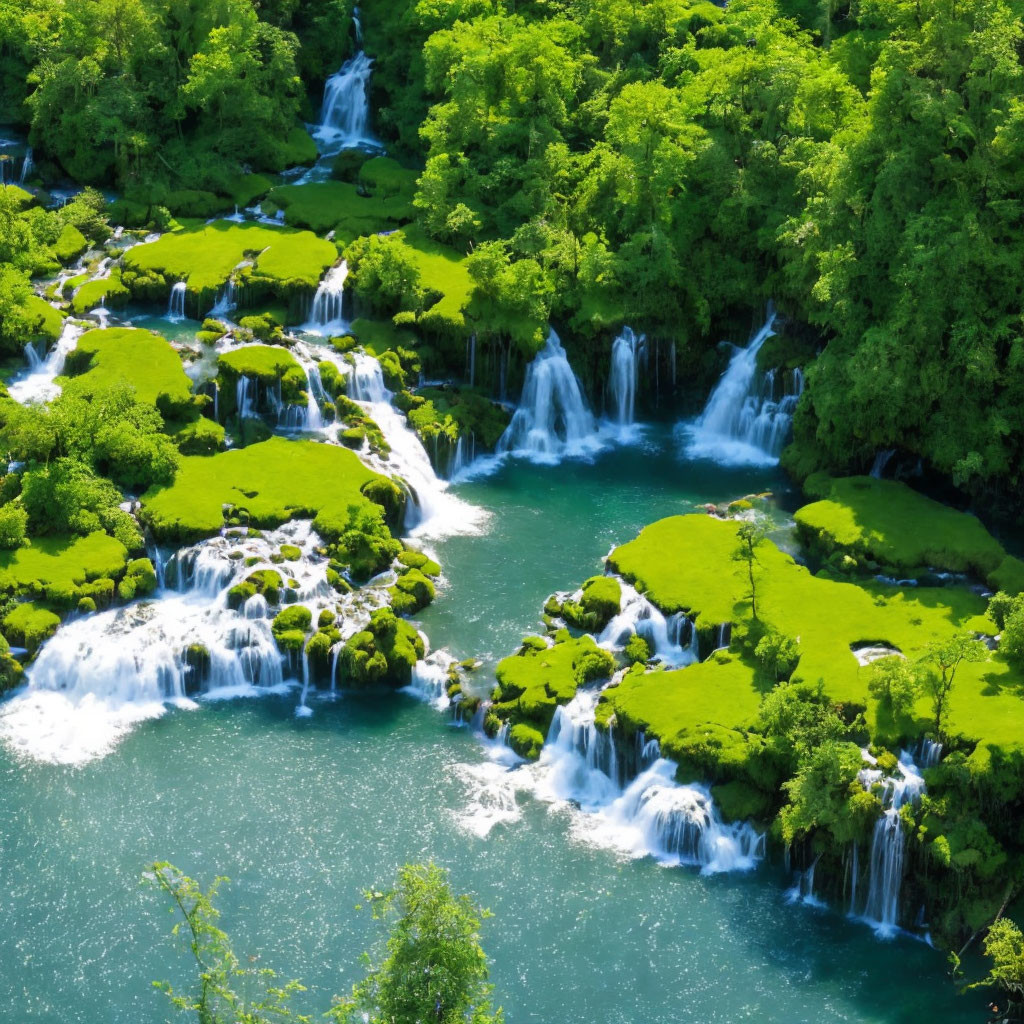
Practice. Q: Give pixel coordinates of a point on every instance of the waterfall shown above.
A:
(37, 385)
(471, 359)
(463, 457)
(430, 680)
(747, 418)
(357, 24)
(102, 674)
(27, 163)
(432, 511)
(881, 461)
(888, 843)
(552, 419)
(627, 351)
(226, 300)
(672, 640)
(327, 315)
(246, 397)
(306, 418)
(176, 304)
(653, 815)
(345, 113)
(803, 889)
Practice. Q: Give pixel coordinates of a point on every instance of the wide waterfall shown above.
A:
(672, 640)
(628, 352)
(552, 419)
(748, 416)
(176, 303)
(104, 673)
(637, 808)
(37, 385)
(886, 867)
(327, 315)
(433, 511)
(345, 113)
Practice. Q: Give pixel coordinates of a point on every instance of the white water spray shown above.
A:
(747, 418)
(628, 351)
(345, 113)
(176, 303)
(37, 385)
(327, 315)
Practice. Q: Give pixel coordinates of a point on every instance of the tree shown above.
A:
(778, 654)
(751, 536)
(227, 991)
(434, 968)
(945, 657)
(1011, 640)
(1004, 946)
(897, 683)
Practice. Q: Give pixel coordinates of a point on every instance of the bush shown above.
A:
(777, 654)
(637, 650)
(894, 681)
(13, 520)
(1011, 642)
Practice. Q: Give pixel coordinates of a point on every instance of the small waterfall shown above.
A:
(552, 419)
(882, 460)
(357, 24)
(653, 815)
(672, 640)
(463, 456)
(227, 300)
(37, 385)
(345, 113)
(432, 511)
(327, 315)
(102, 674)
(928, 753)
(803, 889)
(176, 303)
(246, 397)
(627, 351)
(886, 865)
(747, 418)
(27, 163)
(430, 680)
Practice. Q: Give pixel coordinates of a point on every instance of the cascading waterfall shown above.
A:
(226, 300)
(37, 385)
(430, 679)
(552, 419)
(432, 510)
(653, 815)
(747, 418)
(102, 674)
(345, 113)
(327, 315)
(176, 303)
(886, 866)
(628, 350)
(672, 640)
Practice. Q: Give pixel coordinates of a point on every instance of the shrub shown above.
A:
(777, 654)
(13, 520)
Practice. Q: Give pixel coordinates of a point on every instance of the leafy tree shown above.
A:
(778, 654)
(433, 967)
(897, 683)
(1004, 946)
(945, 657)
(751, 535)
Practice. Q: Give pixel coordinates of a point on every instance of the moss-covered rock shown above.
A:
(382, 654)
(597, 606)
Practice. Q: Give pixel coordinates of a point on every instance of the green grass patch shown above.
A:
(61, 561)
(205, 257)
(49, 321)
(686, 563)
(263, 361)
(272, 481)
(888, 523)
(340, 207)
(142, 359)
(106, 291)
(70, 244)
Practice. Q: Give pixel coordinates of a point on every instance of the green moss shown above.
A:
(412, 591)
(451, 413)
(340, 207)
(29, 625)
(107, 291)
(201, 436)
(70, 245)
(46, 323)
(55, 568)
(265, 362)
(273, 481)
(294, 618)
(382, 654)
(142, 359)
(889, 523)
(206, 257)
(526, 741)
(418, 560)
(598, 604)
(540, 677)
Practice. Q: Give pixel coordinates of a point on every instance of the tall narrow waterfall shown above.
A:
(433, 511)
(102, 674)
(327, 315)
(886, 867)
(176, 303)
(553, 419)
(748, 416)
(27, 163)
(37, 385)
(628, 351)
(653, 814)
(345, 113)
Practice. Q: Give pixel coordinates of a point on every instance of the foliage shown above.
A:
(945, 657)
(896, 682)
(432, 966)
(778, 654)
(1004, 946)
